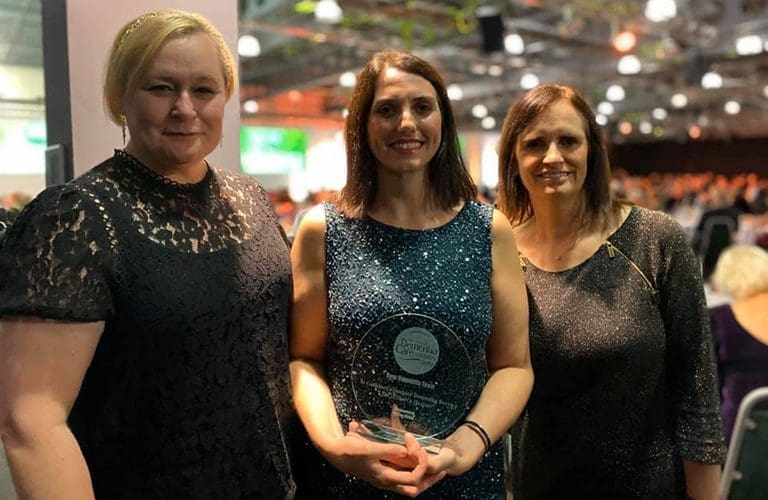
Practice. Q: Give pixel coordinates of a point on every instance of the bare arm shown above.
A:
(511, 376)
(702, 480)
(42, 364)
(314, 403)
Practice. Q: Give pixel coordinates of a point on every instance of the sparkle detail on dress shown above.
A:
(375, 271)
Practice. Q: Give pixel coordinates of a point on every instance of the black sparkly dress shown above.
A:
(375, 271)
(188, 393)
(625, 374)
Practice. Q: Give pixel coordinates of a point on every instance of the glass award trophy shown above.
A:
(411, 373)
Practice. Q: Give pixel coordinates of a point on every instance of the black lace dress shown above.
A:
(188, 393)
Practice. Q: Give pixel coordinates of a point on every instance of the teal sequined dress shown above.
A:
(375, 271)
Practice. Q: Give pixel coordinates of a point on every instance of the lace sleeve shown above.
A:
(53, 262)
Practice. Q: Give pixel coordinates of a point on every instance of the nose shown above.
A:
(183, 105)
(407, 121)
(553, 154)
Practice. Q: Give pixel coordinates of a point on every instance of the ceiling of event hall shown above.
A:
(302, 56)
(565, 41)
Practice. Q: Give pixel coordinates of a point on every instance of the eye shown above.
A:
(424, 108)
(534, 144)
(385, 110)
(568, 140)
(160, 88)
(206, 91)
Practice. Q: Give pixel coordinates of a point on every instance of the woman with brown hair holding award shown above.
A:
(409, 337)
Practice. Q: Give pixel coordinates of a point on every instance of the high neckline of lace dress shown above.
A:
(150, 174)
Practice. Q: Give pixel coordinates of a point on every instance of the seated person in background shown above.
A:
(740, 328)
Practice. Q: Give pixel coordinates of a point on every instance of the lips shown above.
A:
(554, 175)
(406, 145)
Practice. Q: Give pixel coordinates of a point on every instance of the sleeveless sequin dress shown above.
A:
(375, 271)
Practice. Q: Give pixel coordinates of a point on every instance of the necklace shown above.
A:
(576, 238)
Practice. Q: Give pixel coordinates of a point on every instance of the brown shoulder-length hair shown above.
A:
(514, 200)
(447, 175)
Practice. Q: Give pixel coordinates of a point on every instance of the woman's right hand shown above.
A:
(387, 466)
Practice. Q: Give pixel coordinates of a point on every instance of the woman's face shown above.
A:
(176, 113)
(404, 125)
(552, 152)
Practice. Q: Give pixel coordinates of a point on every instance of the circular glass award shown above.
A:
(412, 373)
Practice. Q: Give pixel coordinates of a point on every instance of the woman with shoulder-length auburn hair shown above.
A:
(625, 397)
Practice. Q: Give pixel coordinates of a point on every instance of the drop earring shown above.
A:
(122, 125)
(221, 140)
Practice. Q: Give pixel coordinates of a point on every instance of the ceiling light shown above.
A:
(749, 45)
(660, 10)
(248, 46)
(328, 11)
(347, 79)
(732, 107)
(625, 127)
(455, 92)
(488, 122)
(479, 69)
(629, 65)
(345, 112)
(514, 44)
(765, 91)
(251, 106)
(694, 131)
(624, 41)
(479, 111)
(605, 108)
(660, 113)
(601, 119)
(679, 101)
(645, 127)
(528, 81)
(711, 80)
(615, 93)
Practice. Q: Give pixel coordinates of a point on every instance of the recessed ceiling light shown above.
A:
(347, 79)
(660, 113)
(528, 81)
(479, 111)
(679, 100)
(615, 93)
(455, 92)
(629, 65)
(248, 46)
(732, 107)
(605, 108)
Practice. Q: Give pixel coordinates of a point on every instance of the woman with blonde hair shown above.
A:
(145, 304)
(740, 329)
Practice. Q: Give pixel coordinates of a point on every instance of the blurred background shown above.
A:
(681, 88)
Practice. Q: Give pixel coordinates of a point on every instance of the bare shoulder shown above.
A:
(313, 223)
(502, 232)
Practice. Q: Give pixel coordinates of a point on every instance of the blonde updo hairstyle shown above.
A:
(742, 271)
(137, 43)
